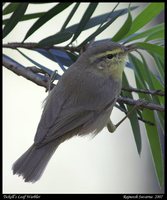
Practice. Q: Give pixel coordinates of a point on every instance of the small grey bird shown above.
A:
(81, 103)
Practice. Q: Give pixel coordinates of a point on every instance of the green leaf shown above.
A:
(144, 74)
(149, 77)
(155, 35)
(85, 18)
(158, 68)
(10, 8)
(101, 28)
(149, 13)
(147, 81)
(160, 64)
(55, 39)
(46, 17)
(146, 33)
(123, 30)
(70, 16)
(154, 141)
(133, 117)
(150, 81)
(147, 114)
(108, 16)
(152, 48)
(100, 19)
(27, 17)
(15, 18)
(138, 67)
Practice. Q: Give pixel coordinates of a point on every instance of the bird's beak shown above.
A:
(129, 48)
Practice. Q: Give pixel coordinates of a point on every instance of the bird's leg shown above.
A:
(111, 127)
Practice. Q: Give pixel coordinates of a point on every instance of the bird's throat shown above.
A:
(116, 71)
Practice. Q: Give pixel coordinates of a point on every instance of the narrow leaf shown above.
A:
(154, 141)
(151, 48)
(10, 8)
(155, 35)
(46, 17)
(142, 73)
(47, 70)
(143, 34)
(27, 17)
(70, 16)
(50, 55)
(55, 55)
(100, 19)
(15, 18)
(55, 39)
(147, 81)
(101, 29)
(62, 56)
(85, 18)
(108, 17)
(156, 70)
(73, 56)
(152, 135)
(123, 30)
(137, 65)
(133, 118)
(149, 13)
(160, 64)
(151, 86)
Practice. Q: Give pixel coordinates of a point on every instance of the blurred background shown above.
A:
(108, 163)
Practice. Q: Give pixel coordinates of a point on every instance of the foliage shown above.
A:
(134, 31)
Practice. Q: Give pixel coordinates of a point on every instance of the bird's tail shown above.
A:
(32, 163)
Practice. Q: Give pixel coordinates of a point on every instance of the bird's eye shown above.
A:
(110, 56)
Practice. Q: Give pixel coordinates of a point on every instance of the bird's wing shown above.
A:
(68, 127)
(76, 120)
(73, 120)
(69, 107)
(53, 105)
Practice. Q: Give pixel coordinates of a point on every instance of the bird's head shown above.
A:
(106, 58)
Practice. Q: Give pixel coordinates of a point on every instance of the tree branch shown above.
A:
(33, 45)
(139, 118)
(44, 81)
(20, 70)
(145, 104)
(152, 92)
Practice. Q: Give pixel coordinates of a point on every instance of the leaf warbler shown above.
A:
(81, 103)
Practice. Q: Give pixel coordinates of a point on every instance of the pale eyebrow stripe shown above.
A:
(109, 52)
(93, 58)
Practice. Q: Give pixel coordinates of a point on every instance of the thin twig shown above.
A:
(147, 104)
(20, 70)
(153, 92)
(36, 70)
(33, 45)
(139, 118)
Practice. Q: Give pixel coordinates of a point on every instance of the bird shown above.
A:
(80, 104)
